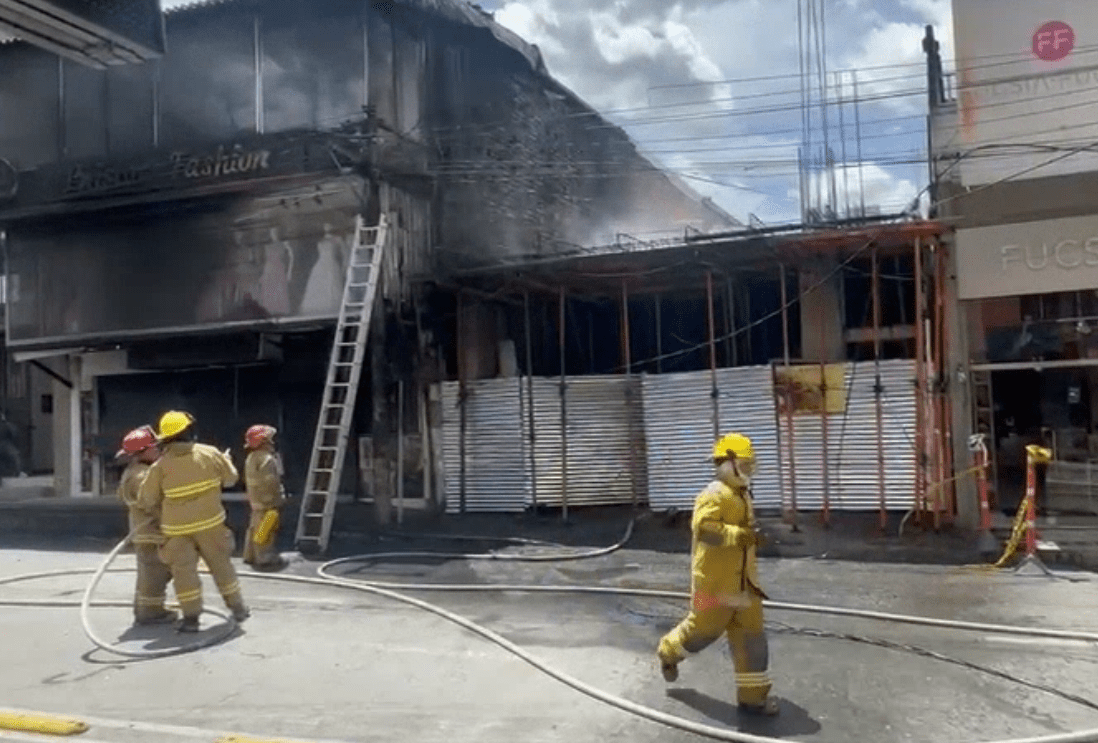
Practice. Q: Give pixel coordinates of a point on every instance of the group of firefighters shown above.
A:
(172, 486)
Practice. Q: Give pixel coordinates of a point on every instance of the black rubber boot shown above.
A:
(769, 708)
(189, 624)
(240, 613)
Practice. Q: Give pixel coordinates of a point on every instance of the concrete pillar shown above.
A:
(68, 441)
(960, 395)
(821, 312)
(381, 421)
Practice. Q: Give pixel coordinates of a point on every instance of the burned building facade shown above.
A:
(175, 232)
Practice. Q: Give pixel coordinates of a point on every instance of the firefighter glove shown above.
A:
(738, 536)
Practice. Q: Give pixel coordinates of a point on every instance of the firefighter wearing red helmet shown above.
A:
(263, 482)
(153, 576)
(726, 598)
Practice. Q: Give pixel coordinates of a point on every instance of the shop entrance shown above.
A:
(1052, 408)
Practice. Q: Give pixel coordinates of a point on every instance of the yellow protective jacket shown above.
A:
(185, 484)
(723, 573)
(263, 479)
(144, 526)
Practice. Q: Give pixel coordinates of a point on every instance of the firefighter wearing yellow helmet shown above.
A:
(185, 486)
(726, 598)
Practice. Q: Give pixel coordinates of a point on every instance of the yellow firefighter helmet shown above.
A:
(173, 423)
(733, 445)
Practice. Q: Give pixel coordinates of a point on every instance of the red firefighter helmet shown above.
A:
(258, 435)
(137, 441)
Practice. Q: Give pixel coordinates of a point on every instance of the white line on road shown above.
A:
(1008, 640)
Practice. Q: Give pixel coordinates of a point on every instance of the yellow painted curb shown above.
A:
(41, 724)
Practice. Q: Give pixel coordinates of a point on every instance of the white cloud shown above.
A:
(536, 22)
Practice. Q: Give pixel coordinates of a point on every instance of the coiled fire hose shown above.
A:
(386, 590)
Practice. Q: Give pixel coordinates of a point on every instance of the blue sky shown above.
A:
(621, 56)
(682, 79)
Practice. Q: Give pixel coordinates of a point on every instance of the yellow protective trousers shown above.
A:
(264, 554)
(153, 577)
(215, 547)
(746, 639)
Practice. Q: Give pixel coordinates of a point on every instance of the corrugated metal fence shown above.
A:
(852, 454)
(649, 436)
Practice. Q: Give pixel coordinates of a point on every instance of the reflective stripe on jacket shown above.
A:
(721, 573)
(144, 526)
(185, 483)
(263, 479)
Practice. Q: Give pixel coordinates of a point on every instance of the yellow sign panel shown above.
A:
(811, 389)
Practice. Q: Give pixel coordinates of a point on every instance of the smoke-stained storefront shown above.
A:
(206, 263)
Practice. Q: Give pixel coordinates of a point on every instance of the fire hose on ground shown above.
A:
(391, 591)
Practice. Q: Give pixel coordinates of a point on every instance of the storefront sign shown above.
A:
(224, 162)
(220, 164)
(169, 173)
(1028, 258)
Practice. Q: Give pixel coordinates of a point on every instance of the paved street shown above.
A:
(325, 663)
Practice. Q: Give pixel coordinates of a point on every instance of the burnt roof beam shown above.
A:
(67, 35)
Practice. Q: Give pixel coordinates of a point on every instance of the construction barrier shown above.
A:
(1025, 520)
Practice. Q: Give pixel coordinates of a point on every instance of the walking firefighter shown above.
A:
(726, 598)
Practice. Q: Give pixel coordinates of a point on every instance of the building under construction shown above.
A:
(603, 379)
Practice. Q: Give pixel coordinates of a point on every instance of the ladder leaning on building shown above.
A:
(333, 426)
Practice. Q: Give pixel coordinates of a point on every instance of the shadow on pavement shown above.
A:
(157, 638)
(793, 720)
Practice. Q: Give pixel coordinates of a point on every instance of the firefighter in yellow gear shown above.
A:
(185, 485)
(726, 598)
(263, 482)
(153, 576)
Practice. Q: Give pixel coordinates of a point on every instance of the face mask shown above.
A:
(737, 474)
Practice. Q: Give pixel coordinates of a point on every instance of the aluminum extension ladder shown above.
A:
(333, 427)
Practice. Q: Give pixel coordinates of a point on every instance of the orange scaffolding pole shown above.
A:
(878, 390)
(938, 398)
(713, 355)
(949, 493)
(826, 513)
(789, 404)
(919, 496)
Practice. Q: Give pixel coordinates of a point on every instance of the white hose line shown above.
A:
(626, 705)
(948, 624)
(202, 642)
(85, 603)
(953, 624)
(674, 721)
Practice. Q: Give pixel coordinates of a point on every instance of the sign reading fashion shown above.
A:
(1028, 258)
(221, 163)
(224, 162)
